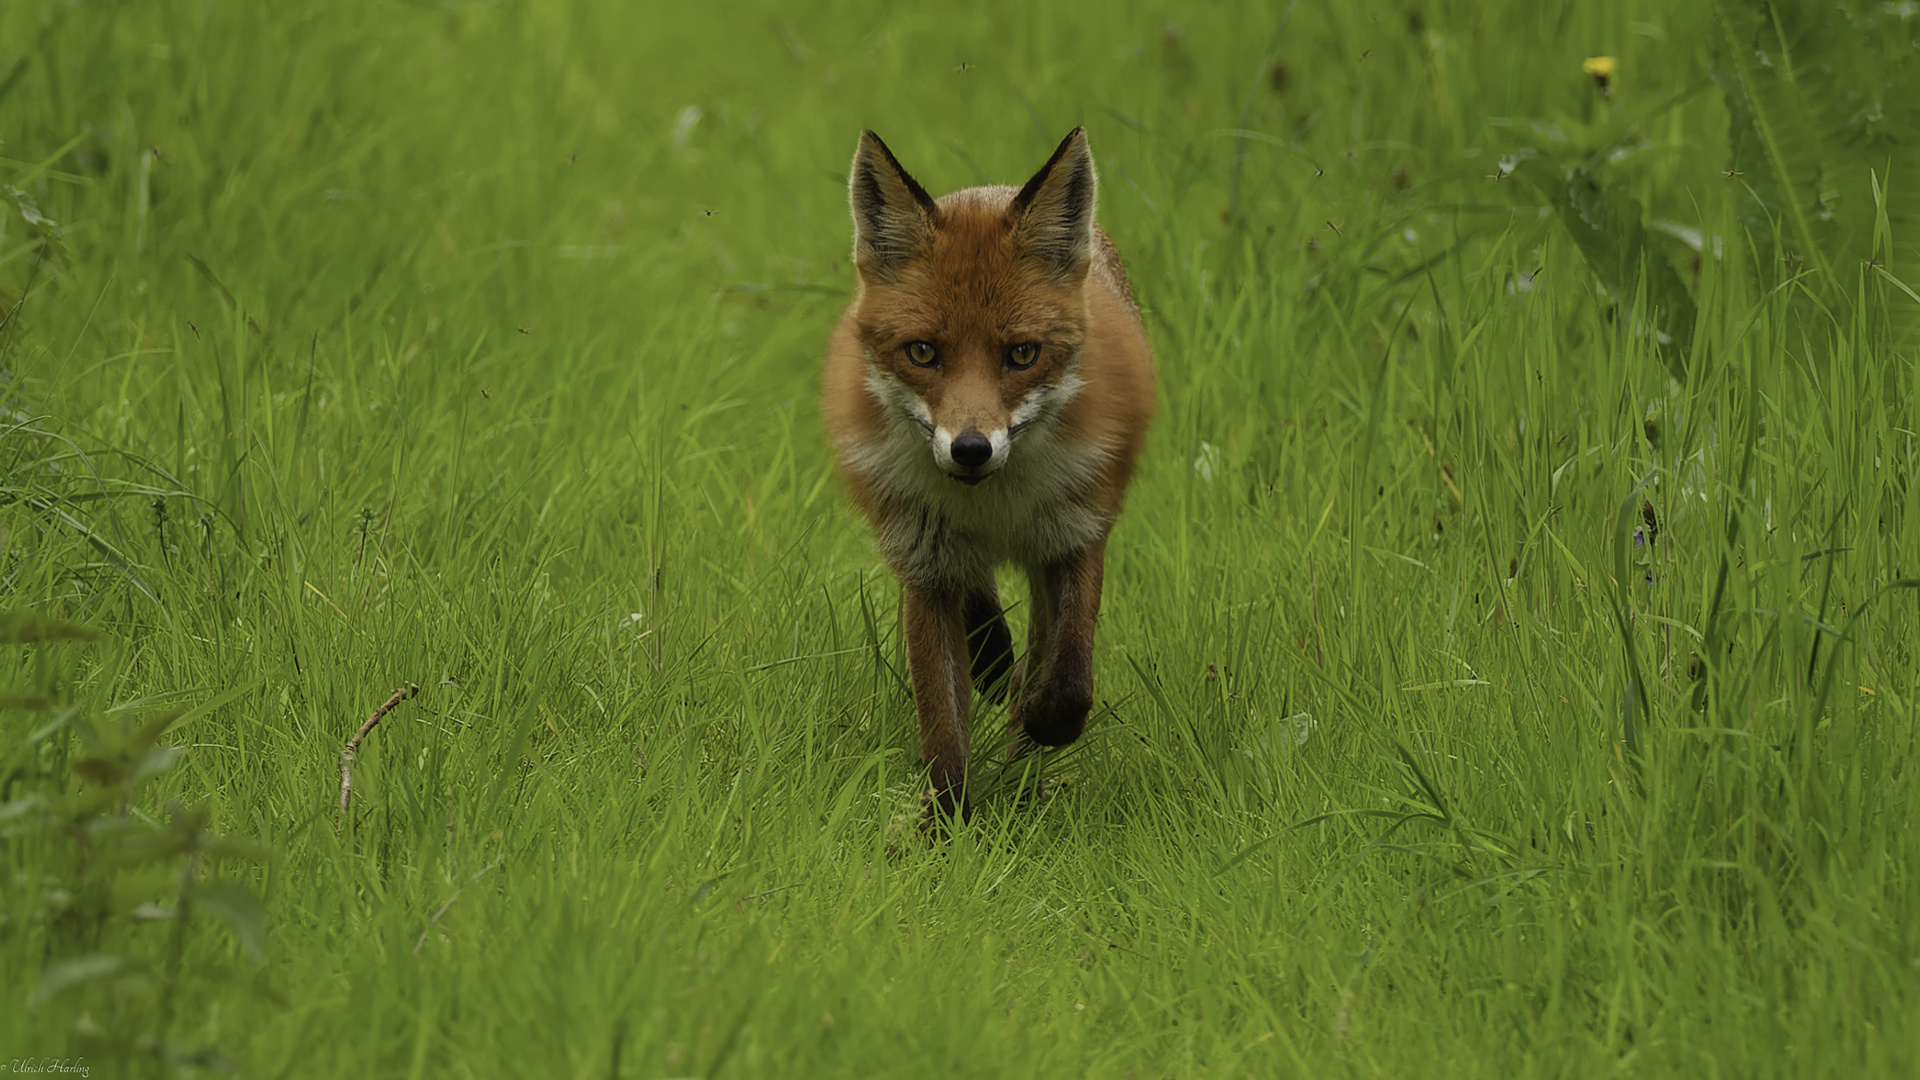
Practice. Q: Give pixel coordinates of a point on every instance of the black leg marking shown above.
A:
(1055, 713)
(1057, 692)
(990, 645)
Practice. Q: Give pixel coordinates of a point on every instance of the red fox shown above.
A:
(987, 392)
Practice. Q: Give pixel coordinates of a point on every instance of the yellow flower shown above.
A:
(1601, 68)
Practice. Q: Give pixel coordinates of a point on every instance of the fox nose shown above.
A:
(971, 450)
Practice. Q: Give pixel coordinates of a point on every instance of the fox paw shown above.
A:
(1053, 717)
(941, 810)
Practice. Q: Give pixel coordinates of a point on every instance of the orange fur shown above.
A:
(987, 392)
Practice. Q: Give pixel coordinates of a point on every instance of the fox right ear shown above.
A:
(892, 214)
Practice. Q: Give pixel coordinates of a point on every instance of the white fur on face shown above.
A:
(1047, 401)
(1029, 512)
(943, 448)
(943, 452)
(1002, 444)
(896, 400)
(1042, 404)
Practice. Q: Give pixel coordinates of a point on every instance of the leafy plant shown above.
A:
(100, 870)
(1823, 107)
(1605, 223)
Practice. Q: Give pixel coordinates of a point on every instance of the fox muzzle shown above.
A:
(972, 455)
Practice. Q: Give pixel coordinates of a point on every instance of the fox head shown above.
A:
(972, 308)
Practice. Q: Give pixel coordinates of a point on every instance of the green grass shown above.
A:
(477, 345)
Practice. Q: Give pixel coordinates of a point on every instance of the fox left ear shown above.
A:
(1053, 214)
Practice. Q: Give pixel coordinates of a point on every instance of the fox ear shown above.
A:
(892, 214)
(1053, 215)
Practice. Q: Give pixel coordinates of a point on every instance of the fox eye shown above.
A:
(922, 354)
(1022, 356)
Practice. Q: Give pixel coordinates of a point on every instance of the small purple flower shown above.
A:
(1639, 538)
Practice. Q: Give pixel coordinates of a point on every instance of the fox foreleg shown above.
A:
(940, 668)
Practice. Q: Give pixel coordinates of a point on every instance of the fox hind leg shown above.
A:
(989, 643)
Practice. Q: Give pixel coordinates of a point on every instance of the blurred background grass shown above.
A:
(477, 345)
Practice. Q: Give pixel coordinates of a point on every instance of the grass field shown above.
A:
(1476, 697)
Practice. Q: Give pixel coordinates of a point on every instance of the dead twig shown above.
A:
(353, 744)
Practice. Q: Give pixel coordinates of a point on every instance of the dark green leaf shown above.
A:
(230, 848)
(104, 771)
(1606, 225)
(20, 627)
(1774, 139)
(1897, 191)
(133, 888)
(241, 910)
(188, 820)
(155, 761)
(152, 847)
(149, 733)
(69, 973)
(96, 738)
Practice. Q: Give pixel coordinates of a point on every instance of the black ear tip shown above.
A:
(873, 145)
(1073, 149)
